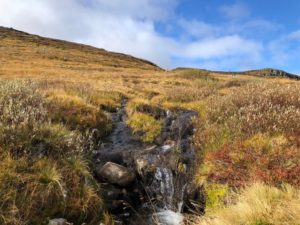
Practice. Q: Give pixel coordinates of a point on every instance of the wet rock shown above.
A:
(127, 157)
(183, 126)
(188, 158)
(115, 206)
(195, 199)
(110, 192)
(117, 174)
(172, 161)
(115, 157)
(161, 138)
(184, 145)
(162, 170)
(59, 221)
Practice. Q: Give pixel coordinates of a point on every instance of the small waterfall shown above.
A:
(168, 211)
(158, 195)
(164, 177)
(180, 203)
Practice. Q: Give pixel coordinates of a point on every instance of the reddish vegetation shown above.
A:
(238, 164)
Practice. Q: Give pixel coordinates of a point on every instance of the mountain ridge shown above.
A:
(265, 72)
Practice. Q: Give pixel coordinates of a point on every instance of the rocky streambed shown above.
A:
(149, 184)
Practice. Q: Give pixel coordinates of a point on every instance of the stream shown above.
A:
(149, 183)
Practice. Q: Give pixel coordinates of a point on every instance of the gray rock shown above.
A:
(183, 126)
(117, 174)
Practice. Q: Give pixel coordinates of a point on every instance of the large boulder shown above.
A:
(117, 174)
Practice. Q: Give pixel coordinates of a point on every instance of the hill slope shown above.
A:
(22, 54)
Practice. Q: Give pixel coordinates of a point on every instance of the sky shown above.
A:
(211, 34)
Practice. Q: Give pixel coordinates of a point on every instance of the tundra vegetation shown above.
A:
(55, 107)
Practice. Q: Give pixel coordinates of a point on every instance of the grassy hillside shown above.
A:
(23, 54)
(55, 102)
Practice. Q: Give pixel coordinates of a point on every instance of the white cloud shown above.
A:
(235, 11)
(223, 47)
(129, 27)
(223, 53)
(285, 48)
(199, 28)
(295, 35)
(114, 25)
(145, 9)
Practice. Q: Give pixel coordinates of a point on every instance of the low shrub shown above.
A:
(271, 160)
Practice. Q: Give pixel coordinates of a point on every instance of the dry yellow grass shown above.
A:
(258, 204)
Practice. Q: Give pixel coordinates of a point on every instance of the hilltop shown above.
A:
(268, 72)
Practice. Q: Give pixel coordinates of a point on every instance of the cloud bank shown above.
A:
(131, 27)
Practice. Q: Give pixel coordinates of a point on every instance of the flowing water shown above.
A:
(166, 189)
(169, 214)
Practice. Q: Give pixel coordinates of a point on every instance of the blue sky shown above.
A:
(211, 34)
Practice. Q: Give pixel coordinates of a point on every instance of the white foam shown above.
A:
(169, 217)
(165, 148)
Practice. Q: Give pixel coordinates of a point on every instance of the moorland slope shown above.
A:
(62, 101)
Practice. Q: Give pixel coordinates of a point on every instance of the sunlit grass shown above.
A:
(258, 204)
(146, 126)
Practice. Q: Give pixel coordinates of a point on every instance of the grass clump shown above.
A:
(215, 195)
(258, 204)
(33, 192)
(108, 101)
(144, 106)
(44, 172)
(77, 114)
(145, 125)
